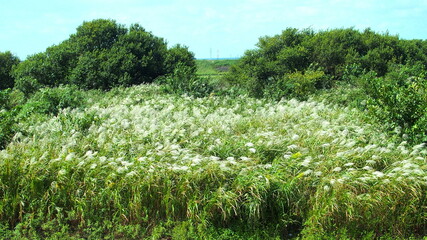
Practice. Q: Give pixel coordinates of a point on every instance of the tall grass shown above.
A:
(137, 163)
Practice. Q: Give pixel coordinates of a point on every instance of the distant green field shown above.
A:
(214, 67)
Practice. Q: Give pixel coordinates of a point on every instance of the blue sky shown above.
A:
(217, 28)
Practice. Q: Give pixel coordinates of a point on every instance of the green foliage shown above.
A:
(7, 62)
(180, 55)
(295, 85)
(10, 101)
(99, 34)
(362, 212)
(137, 163)
(38, 71)
(52, 100)
(400, 98)
(344, 95)
(333, 51)
(101, 55)
(146, 55)
(88, 71)
(351, 73)
(27, 85)
(7, 127)
(4, 98)
(184, 81)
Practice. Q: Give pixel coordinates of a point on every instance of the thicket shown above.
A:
(331, 52)
(7, 62)
(399, 99)
(136, 163)
(388, 73)
(102, 54)
(16, 108)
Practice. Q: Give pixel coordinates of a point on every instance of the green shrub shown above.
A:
(7, 62)
(179, 56)
(339, 53)
(184, 81)
(295, 85)
(28, 85)
(7, 127)
(52, 100)
(101, 55)
(351, 73)
(4, 98)
(400, 98)
(344, 95)
(10, 101)
(35, 72)
(89, 72)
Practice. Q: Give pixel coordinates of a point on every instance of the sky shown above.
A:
(211, 29)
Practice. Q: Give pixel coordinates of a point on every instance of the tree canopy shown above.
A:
(333, 52)
(7, 61)
(100, 55)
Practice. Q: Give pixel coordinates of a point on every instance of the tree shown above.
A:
(100, 55)
(149, 52)
(179, 54)
(97, 35)
(7, 62)
(332, 51)
(33, 73)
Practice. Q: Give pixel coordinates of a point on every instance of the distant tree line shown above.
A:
(102, 54)
(324, 57)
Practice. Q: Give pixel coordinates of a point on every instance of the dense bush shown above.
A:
(400, 98)
(4, 98)
(52, 100)
(180, 55)
(7, 127)
(8, 124)
(15, 108)
(7, 61)
(295, 85)
(184, 81)
(100, 55)
(334, 52)
(182, 77)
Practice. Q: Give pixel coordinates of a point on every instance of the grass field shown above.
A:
(214, 67)
(136, 163)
